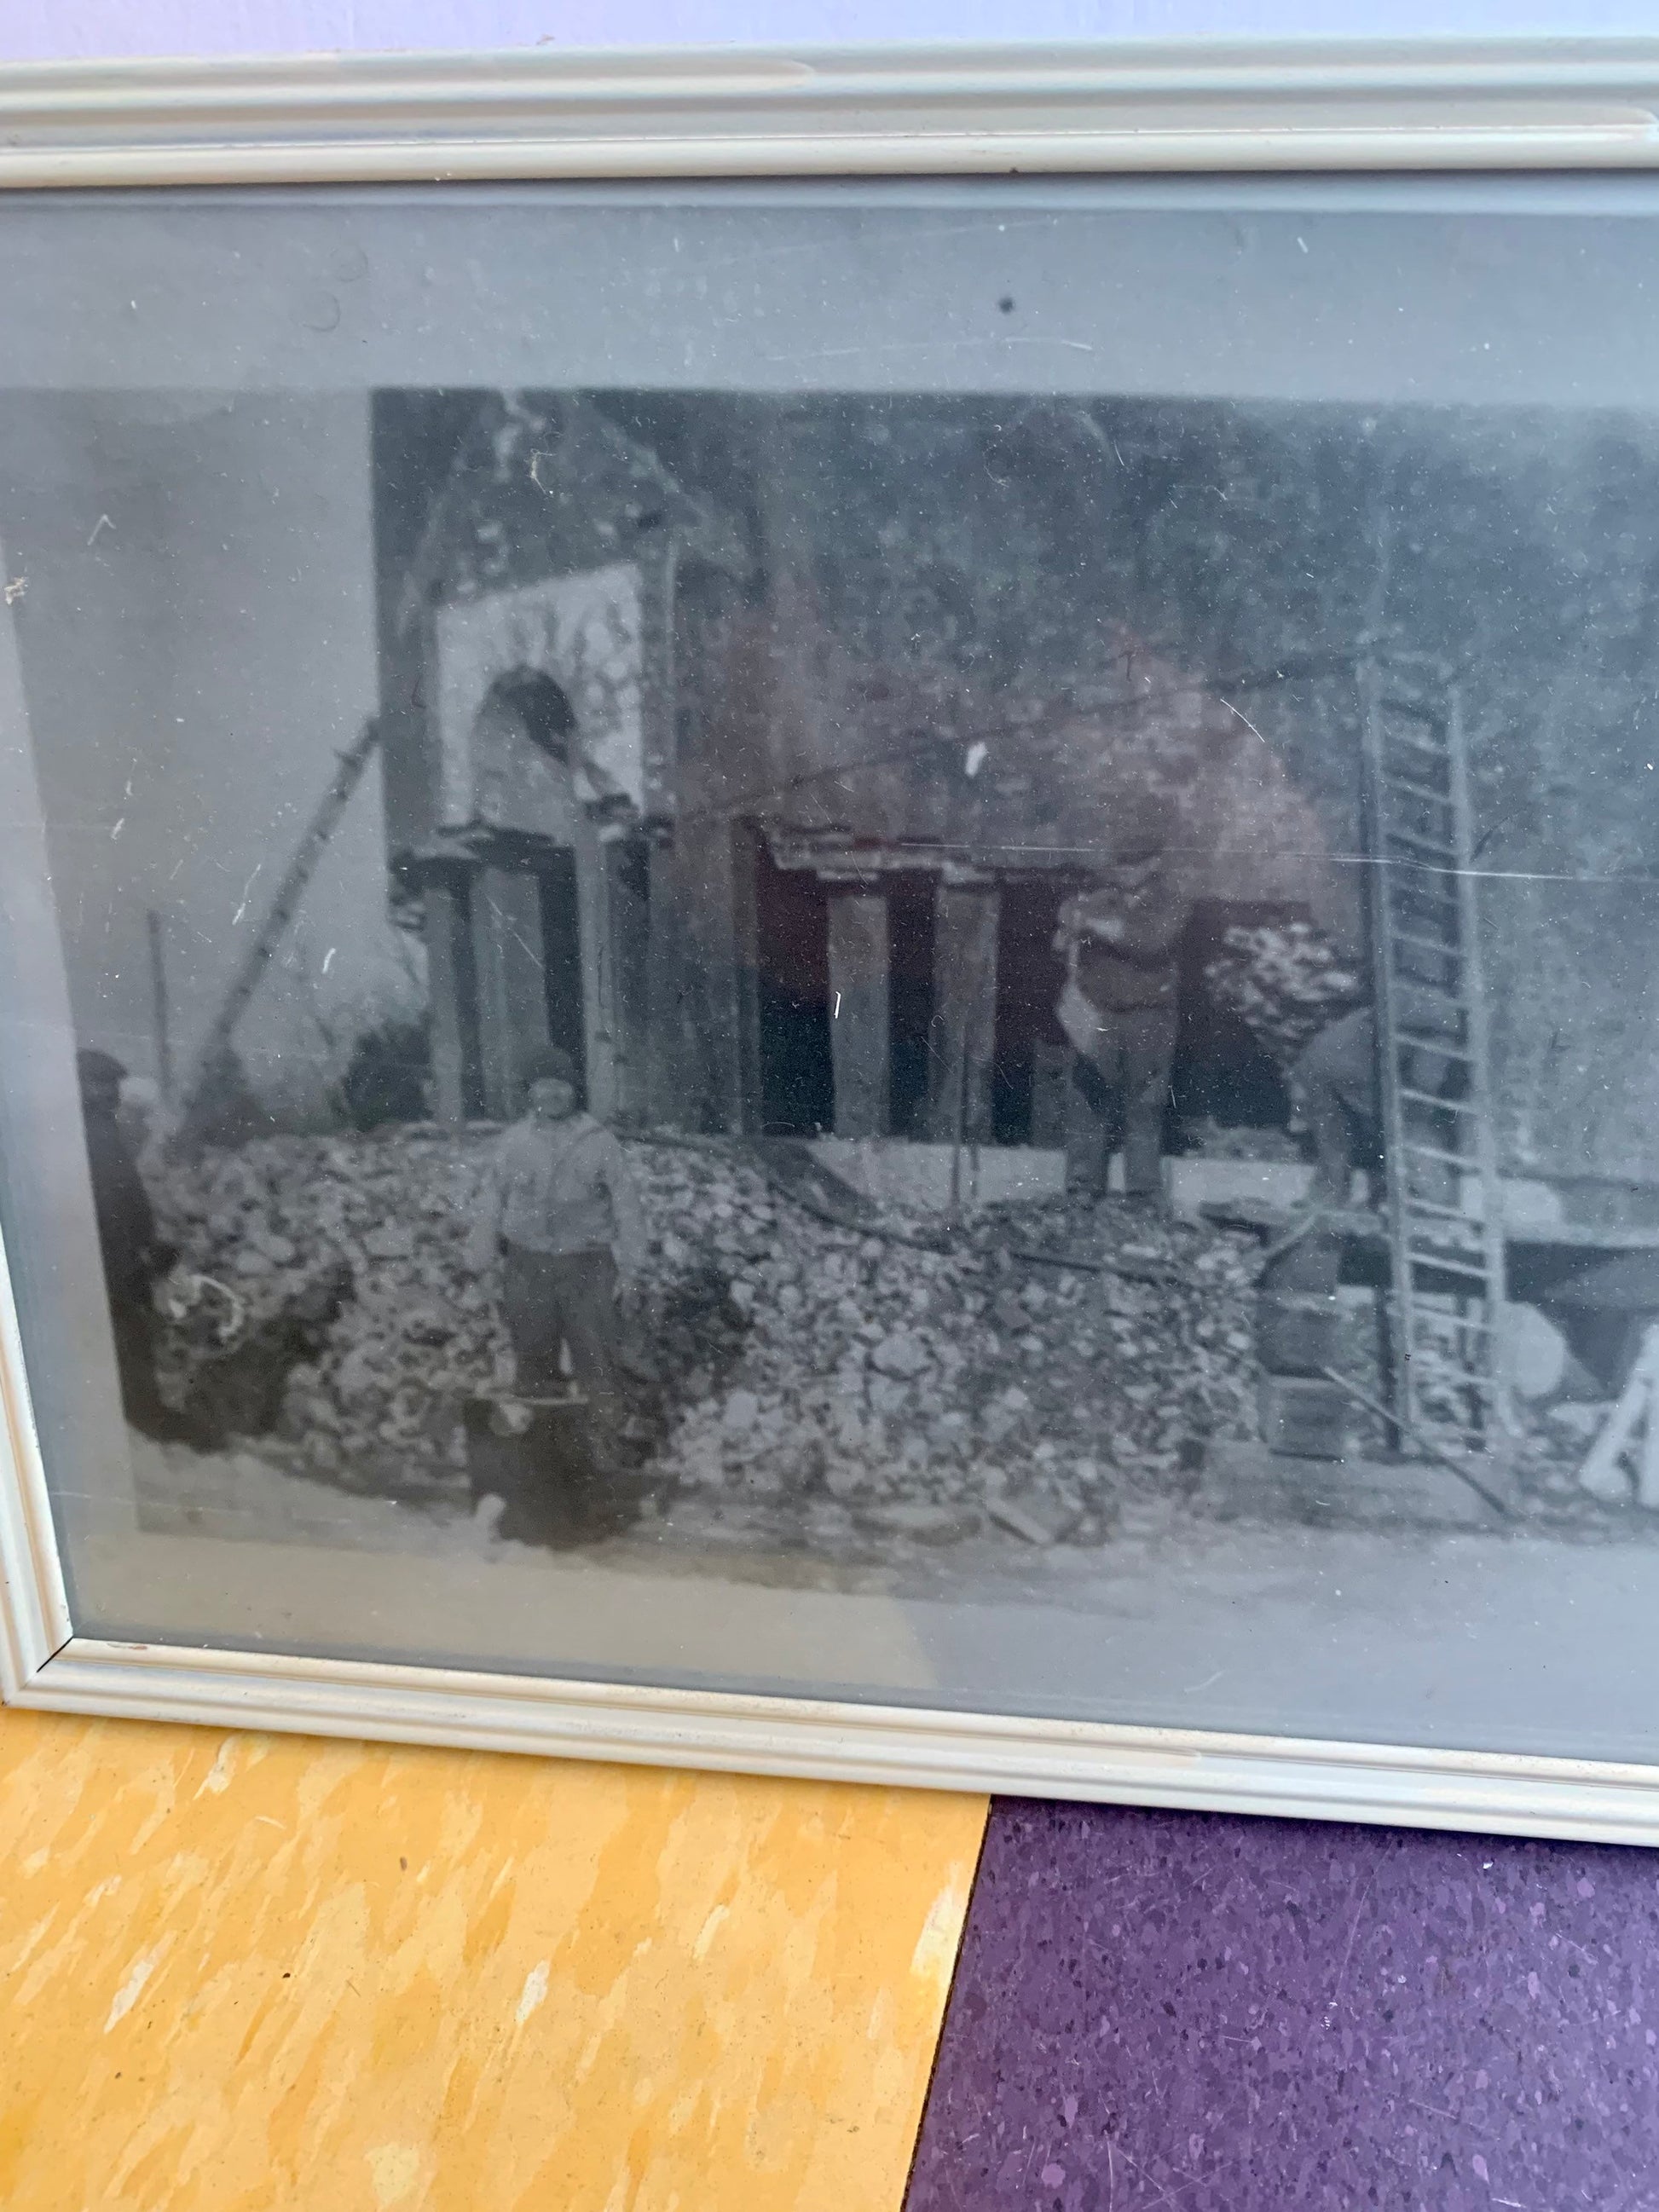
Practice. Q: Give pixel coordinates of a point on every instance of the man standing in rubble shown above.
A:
(133, 1254)
(562, 1209)
(1118, 1008)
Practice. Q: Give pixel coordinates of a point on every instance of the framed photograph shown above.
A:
(829, 914)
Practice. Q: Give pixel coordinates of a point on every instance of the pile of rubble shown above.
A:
(987, 1382)
(1039, 1373)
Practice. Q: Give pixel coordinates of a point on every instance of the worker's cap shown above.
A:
(1141, 829)
(550, 1063)
(98, 1070)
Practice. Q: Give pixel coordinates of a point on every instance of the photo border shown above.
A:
(1427, 105)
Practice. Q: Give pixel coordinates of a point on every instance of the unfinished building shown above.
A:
(760, 872)
(748, 748)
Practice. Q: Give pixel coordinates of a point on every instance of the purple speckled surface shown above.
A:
(1211, 2014)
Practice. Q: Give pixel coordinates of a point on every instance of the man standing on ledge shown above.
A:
(1119, 1005)
(561, 1208)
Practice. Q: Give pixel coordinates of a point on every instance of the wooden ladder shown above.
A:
(1448, 1261)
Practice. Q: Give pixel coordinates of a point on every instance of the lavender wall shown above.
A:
(92, 28)
(1152, 2010)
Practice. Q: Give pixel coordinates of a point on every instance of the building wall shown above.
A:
(1196, 576)
(980, 625)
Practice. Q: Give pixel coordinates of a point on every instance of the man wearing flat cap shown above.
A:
(133, 1256)
(1118, 1008)
(562, 1209)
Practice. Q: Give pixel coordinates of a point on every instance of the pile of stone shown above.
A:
(1285, 980)
(417, 1335)
(987, 1382)
(1037, 1374)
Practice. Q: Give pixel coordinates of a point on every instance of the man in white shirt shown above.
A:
(561, 1208)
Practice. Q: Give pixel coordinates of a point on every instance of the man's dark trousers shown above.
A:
(552, 1299)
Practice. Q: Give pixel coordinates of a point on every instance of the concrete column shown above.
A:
(628, 892)
(444, 953)
(666, 1080)
(745, 848)
(507, 934)
(861, 1020)
(598, 971)
(961, 1036)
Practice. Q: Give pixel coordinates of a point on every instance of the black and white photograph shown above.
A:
(1025, 1000)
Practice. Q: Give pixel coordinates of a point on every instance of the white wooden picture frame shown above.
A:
(1525, 1710)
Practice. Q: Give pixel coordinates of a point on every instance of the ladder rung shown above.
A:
(1415, 1144)
(1443, 1237)
(1421, 983)
(1427, 1228)
(1440, 1105)
(1433, 1043)
(1427, 943)
(1480, 1327)
(1413, 890)
(1399, 783)
(1446, 991)
(1469, 1257)
(1427, 1205)
(1446, 853)
(1428, 747)
(1440, 1265)
(1446, 1246)
(1417, 890)
(1418, 885)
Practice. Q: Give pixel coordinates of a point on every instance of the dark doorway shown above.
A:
(562, 958)
(1031, 1061)
(545, 714)
(792, 937)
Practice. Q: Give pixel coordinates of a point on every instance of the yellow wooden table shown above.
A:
(249, 1974)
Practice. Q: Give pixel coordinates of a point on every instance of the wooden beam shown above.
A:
(961, 1036)
(599, 970)
(215, 1047)
(507, 921)
(861, 1020)
(746, 845)
(628, 890)
(445, 952)
(666, 1077)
